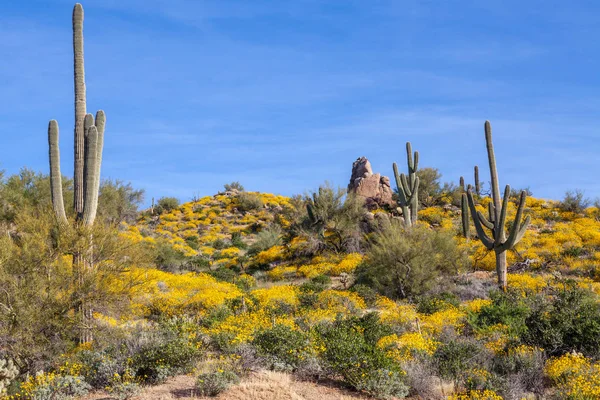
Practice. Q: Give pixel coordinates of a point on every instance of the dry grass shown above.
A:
(264, 385)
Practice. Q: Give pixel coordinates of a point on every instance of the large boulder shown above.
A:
(374, 188)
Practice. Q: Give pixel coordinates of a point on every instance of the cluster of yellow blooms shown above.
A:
(575, 376)
(476, 395)
(406, 346)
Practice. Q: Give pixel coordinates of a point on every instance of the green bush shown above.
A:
(405, 262)
(265, 239)
(522, 369)
(454, 357)
(367, 293)
(214, 383)
(248, 202)
(158, 360)
(237, 240)
(166, 204)
(351, 351)
(439, 302)
(574, 201)
(65, 387)
(565, 320)
(285, 347)
(233, 186)
(224, 274)
(509, 309)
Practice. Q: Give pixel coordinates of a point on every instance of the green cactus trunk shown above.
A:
(89, 142)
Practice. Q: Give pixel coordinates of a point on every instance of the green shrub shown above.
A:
(316, 284)
(574, 201)
(283, 346)
(166, 204)
(351, 351)
(220, 244)
(237, 240)
(566, 320)
(167, 258)
(248, 202)
(124, 386)
(367, 293)
(63, 387)
(433, 304)
(234, 186)
(408, 262)
(224, 274)
(384, 384)
(158, 360)
(523, 368)
(509, 309)
(455, 357)
(214, 383)
(265, 239)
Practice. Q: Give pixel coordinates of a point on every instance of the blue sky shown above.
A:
(283, 95)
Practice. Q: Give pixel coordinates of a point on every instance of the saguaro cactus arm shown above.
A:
(517, 229)
(485, 239)
(499, 230)
(55, 176)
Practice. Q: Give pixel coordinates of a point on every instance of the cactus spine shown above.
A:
(408, 187)
(89, 142)
(497, 217)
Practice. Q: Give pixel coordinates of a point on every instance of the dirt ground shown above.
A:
(264, 385)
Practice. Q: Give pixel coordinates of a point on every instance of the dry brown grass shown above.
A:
(264, 385)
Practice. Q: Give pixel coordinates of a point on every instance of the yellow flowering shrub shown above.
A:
(526, 283)
(347, 265)
(476, 304)
(406, 346)
(241, 328)
(270, 255)
(340, 301)
(575, 376)
(276, 295)
(312, 270)
(437, 321)
(476, 395)
(170, 294)
(281, 272)
(393, 313)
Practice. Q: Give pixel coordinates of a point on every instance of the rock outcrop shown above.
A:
(374, 188)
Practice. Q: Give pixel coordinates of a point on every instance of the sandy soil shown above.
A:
(265, 385)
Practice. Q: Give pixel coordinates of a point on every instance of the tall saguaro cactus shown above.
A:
(497, 241)
(89, 142)
(408, 187)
